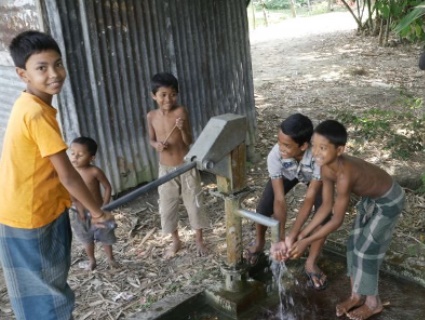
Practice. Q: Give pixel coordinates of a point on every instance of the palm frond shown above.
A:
(415, 14)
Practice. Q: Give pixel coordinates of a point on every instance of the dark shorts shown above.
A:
(265, 205)
(86, 234)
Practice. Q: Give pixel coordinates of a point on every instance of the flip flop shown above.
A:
(319, 277)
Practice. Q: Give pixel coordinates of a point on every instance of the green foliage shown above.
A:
(400, 130)
(421, 189)
(273, 4)
(411, 24)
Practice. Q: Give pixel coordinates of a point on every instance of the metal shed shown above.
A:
(112, 49)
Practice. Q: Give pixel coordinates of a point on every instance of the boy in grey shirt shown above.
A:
(289, 162)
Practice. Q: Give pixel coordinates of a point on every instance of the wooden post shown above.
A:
(228, 186)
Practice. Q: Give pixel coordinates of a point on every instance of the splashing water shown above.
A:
(279, 269)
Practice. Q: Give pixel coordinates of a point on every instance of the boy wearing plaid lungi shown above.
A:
(381, 203)
(37, 177)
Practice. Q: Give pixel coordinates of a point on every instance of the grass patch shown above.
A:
(399, 130)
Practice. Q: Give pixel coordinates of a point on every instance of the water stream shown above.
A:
(286, 302)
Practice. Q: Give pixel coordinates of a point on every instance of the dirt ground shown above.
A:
(316, 66)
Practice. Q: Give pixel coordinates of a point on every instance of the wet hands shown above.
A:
(284, 250)
(297, 249)
(279, 251)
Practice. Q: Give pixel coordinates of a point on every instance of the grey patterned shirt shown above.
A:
(305, 171)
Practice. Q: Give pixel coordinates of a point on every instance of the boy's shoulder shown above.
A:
(152, 112)
(30, 102)
(97, 169)
(179, 109)
(350, 168)
(91, 170)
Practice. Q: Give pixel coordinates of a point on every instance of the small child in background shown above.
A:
(82, 154)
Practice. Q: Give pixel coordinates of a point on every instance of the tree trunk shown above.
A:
(381, 31)
(387, 30)
(293, 9)
(377, 25)
(309, 6)
(357, 19)
(266, 21)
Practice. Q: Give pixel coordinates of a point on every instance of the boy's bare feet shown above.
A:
(114, 264)
(173, 249)
(91, 265)
(364, 312)
(345, 306)
(201, 249)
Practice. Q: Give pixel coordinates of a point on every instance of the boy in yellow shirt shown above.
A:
(37, 177)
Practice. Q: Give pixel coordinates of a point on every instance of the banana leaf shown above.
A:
(411, 17)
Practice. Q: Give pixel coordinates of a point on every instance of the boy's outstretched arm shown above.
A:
(302, 216)
(75, 185)
(279, 205)
(339, 208)
(323, 211)
(281, 251)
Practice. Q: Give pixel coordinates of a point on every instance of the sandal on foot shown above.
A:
(319, 276)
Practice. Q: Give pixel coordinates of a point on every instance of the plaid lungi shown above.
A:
(35, 265)
(370, 238)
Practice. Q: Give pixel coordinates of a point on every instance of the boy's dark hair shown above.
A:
(88, 142)
(298, 127)
(28, 43)
(334, 131)
(164, 79)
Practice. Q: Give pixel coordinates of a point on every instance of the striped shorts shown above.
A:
(35, 265)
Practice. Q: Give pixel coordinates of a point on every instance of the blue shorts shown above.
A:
(35, 265)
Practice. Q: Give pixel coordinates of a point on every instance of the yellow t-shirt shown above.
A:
(31, 195)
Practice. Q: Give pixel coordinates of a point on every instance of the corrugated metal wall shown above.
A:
(16, 16)
(114, 47)
(10, 88)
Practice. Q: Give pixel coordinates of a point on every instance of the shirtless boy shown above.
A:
(170, 135)
(381, 203)
(82, 154)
